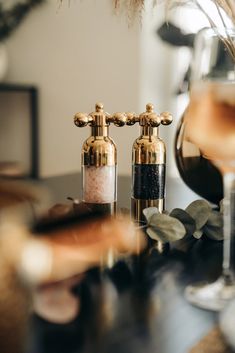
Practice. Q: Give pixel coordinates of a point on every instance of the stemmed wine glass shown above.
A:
(209, 124)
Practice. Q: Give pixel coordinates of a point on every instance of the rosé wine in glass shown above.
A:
(209, 124)
(211, 121)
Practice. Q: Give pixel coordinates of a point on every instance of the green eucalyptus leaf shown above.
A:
(215, 219)
(165, 228)
(149, 212)
(214, 233)
(184, 244)
(199, 210)
(213, 229)
(198, 234)
(188, 222)
(153, 234)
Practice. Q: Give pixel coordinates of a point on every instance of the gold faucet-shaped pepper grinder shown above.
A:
(99, 159)
(148, 162)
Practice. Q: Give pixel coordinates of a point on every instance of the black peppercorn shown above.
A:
(148, 181)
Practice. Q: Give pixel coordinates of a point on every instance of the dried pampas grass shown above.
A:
(132, 5)
(135, 7)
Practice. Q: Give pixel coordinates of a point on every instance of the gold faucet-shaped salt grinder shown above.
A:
(99, 159)
(148, 162)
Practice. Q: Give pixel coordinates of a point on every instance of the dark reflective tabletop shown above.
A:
(138, 305)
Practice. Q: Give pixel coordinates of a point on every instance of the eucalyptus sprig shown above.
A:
(196, 220)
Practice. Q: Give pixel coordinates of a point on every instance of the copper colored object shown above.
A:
(213, 342)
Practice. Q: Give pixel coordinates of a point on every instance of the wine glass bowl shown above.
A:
(197, 171)
(211, 121)
(209, 129)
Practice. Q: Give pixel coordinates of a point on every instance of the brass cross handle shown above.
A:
(101, 118)
(149, 117)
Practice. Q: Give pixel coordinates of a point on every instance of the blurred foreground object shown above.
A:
(18, 201)
(62, 249)
(11, 170)
(14, 309)
(72, 246)
(227, 323)
(56, 303)
(213, 342)
(16, 195)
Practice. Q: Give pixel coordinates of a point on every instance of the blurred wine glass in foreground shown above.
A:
(44, 253)
(209, 124)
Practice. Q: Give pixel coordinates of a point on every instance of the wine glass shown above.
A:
(209, 124)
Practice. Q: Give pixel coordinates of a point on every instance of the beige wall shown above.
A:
(158, 75)
(76, 55)
(81, 53)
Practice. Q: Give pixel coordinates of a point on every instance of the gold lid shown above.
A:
(96, 118)
(149, 151)
(99, 118)
(149, 118)
(99, 151)
(149, 148)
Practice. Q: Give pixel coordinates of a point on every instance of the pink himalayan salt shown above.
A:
(99, 184)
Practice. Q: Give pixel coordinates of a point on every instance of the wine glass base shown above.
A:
(213, 296)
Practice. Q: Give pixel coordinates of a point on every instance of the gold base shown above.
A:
(137, 207)
(104, 208)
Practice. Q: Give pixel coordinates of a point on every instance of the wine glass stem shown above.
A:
(228, 205)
